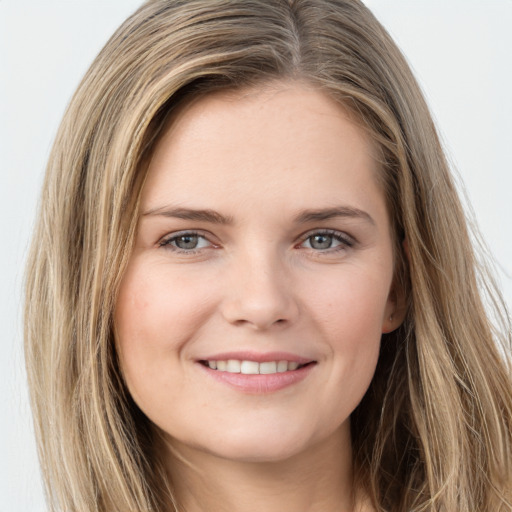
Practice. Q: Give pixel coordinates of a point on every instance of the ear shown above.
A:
(396, 307)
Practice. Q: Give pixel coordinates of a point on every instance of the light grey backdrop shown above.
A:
(461, 52)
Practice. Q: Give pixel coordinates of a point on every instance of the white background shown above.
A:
(461, 51)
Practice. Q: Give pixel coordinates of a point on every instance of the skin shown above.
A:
(260, 158)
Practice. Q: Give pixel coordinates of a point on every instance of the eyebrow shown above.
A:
(210, 216)
(304, 217)
(331, 213)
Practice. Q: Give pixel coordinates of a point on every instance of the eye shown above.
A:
(185, 242)
(326, 240)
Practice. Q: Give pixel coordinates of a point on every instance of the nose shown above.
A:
(259, 294)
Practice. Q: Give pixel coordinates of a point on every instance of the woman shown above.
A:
(253, 285)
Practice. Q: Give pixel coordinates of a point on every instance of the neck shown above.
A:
(316, 480)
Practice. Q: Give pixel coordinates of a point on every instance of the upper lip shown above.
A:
(258, 357)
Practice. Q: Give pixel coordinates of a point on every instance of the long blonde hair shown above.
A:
(433, 432)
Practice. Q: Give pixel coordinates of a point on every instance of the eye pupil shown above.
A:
(321, 241)
(186, 241)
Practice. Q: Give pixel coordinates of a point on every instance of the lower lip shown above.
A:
(259, 384)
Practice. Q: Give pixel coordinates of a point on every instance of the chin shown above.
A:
(269, 453)
(262, 445)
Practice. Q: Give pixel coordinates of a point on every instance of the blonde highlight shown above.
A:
(433, 432)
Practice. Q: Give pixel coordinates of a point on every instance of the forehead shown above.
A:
(286, 142)
(301, 102)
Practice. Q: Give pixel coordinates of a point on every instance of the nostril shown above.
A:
(260, 307)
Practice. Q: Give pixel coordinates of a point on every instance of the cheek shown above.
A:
(159, 303)
(156, 315)
(349, 317)
(351, 303)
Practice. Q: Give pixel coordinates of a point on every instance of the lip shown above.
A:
(258, 384)
(258, 357)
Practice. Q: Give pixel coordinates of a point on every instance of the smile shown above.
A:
(253, 367)
(267, 375)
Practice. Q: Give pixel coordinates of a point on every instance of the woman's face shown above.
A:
(249, 319)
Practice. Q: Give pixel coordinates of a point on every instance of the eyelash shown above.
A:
(167, 242)
(346, 242)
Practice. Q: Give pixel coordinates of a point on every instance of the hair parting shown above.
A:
(434, 431)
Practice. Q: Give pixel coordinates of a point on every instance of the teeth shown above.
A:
(233, 366)
(252, 367)
(268, 368)
(282, 366)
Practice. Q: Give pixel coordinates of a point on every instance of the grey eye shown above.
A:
(186, 242)
(321, 241)
(325, 241)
